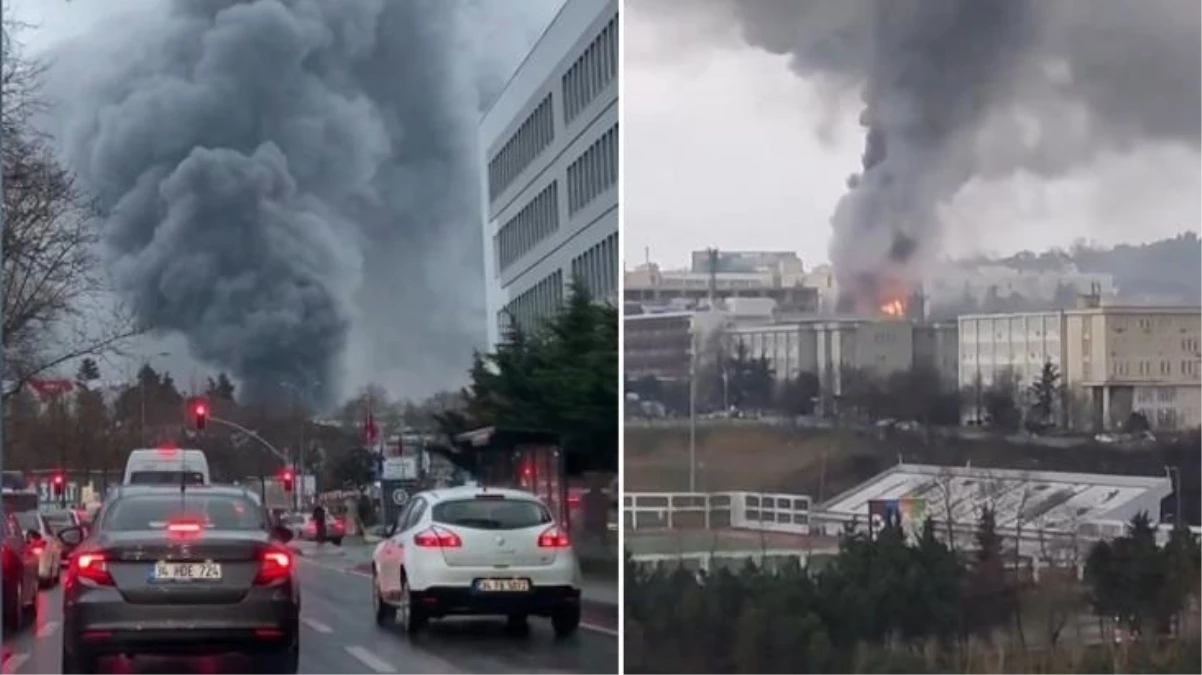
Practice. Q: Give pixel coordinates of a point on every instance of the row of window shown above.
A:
(536, 221)
(1145, 368)
(523, 147)
(535, 304)
(591, 73)
(594, 172)
(597, 268)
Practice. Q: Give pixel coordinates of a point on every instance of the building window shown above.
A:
(536, 221)
(594, 172)
(591, 73)
(523, 147)
(597, 269)
(536, 303)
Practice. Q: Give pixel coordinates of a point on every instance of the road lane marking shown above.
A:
(366, 575)
(370, 660)
(316, 625)
(14, 662)
(47, 629)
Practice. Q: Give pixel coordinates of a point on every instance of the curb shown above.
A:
(596, 615)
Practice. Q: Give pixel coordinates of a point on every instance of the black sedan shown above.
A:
(166, 571)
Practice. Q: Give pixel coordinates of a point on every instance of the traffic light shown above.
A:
(200, 414)
(286, 479)
(56, 483)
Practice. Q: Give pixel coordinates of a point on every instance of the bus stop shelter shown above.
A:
(525, 459)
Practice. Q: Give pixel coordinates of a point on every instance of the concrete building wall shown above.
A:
(550, 170)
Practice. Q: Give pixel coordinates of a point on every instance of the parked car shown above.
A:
(45, 545)
(20, 576)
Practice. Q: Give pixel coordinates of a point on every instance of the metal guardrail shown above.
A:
(758, 511)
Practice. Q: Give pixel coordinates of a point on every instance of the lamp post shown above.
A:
(299, 458)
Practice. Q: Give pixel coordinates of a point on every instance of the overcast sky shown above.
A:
(725, 146)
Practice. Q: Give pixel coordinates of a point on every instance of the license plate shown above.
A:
(503, 585)
(172, 571)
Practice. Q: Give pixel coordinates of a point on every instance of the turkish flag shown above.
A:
(370, 432)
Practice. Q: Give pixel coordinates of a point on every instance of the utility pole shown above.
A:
(692, 410)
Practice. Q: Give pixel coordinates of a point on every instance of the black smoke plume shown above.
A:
(291, 184)
(956, 89)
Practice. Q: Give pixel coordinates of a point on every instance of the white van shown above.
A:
(167, 466)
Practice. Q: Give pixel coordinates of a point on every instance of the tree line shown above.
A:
(558, 375)
(888, 604)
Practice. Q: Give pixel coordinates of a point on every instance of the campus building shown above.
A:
(550, 171)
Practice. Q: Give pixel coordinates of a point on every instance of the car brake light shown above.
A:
(554, 537)
(274, 565)
(436, 537)
(38, 548)
(94, 568)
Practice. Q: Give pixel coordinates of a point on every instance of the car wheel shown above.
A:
(78, 662)
(412, 616)
(385, 613)
(565, 621)
(285, 661)
(12, 608)
(337, 541)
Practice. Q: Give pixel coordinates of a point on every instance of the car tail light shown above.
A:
(274, 564)
(37, 548)
(554, 537)
(184, 529)
(436, 537)
(94, 568)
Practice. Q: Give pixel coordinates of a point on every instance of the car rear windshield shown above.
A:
(154, 512)
(491, 513)
(166, 478)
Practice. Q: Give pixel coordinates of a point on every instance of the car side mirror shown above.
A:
(281, 534)
(71, 536)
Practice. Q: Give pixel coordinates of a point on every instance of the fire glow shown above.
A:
(894, 308)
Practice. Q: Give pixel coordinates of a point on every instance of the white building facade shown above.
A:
(550, 171)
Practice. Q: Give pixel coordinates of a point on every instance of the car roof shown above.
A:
(227, 490)
(469, 491)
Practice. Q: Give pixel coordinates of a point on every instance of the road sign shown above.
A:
(399, 468)
(399, 496)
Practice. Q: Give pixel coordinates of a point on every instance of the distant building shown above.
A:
(550, 171)
(648, 284)
(1113, 360)
(829, 348)
(660, 345)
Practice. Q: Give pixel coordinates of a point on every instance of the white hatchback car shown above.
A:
(476, 551)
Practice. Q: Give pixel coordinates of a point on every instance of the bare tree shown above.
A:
(58, 305)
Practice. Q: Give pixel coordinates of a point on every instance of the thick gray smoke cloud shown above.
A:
(955, 89)
(292, 184)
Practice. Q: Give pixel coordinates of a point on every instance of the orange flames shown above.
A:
(894, 308)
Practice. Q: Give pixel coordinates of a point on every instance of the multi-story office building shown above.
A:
(1113, 360)
(660, 345)
(550, 177)
(828, 348)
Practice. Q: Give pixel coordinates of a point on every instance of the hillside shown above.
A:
(823, 464)
(1168, 270)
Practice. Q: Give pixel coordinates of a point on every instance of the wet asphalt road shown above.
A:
(339, 635)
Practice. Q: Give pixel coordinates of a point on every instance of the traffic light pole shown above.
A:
(238, 427)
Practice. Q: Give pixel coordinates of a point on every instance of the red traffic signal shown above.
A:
(286, 479)
(56, 482)
(200, 414)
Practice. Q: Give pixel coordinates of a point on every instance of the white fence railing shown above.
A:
(772, 559)
(758, 511)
